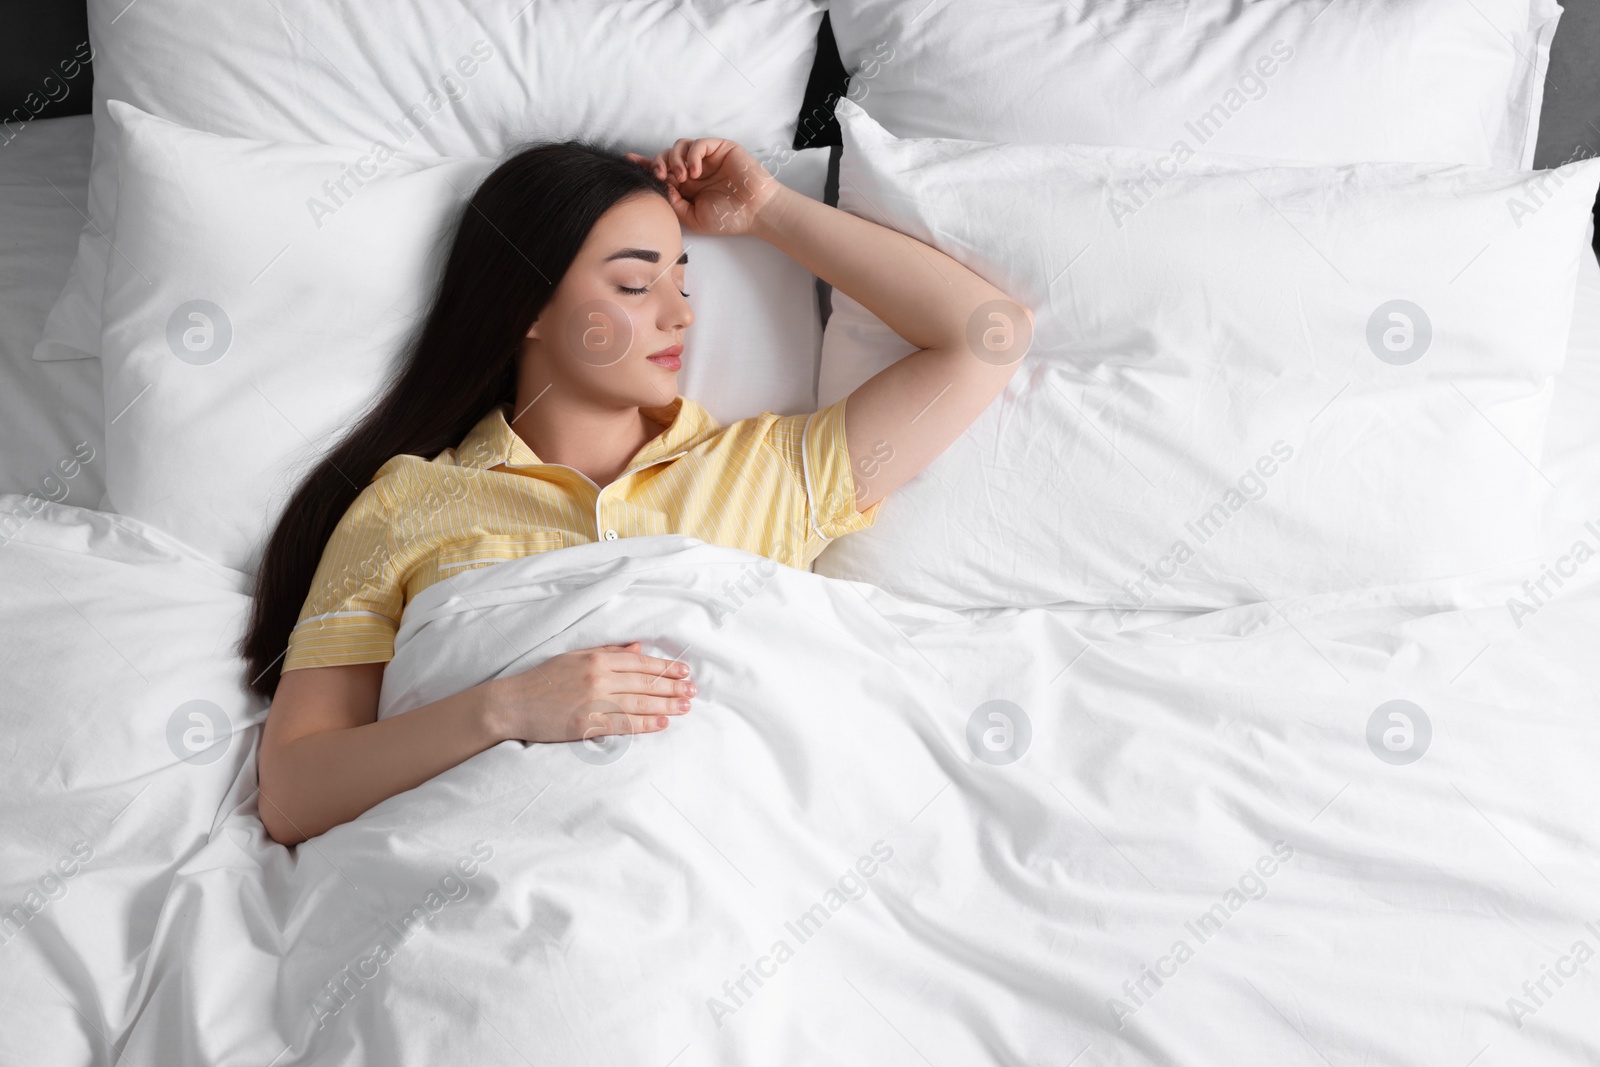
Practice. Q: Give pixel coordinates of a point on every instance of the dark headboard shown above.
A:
(829, 81)
(44, 50)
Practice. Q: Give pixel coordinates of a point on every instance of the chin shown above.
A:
(656, 393)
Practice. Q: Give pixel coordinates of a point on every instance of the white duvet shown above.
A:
(114, 636)
(894, 834)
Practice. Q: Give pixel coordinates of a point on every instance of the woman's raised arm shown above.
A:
(971, 335)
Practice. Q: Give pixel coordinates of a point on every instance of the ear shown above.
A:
(533, 331)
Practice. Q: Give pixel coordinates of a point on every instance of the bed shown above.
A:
(968, 791)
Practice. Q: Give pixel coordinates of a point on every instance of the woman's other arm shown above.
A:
(325, 756)
(325, 759)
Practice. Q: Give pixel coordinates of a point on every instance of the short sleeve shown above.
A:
(352, 611)
(830, 486)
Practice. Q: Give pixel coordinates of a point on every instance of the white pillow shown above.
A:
(1572, 438)
(316, 318)
(634, 74)
(1212, 369)
(1325, 81)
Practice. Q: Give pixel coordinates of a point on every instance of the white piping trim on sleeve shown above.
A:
(805, 466)
(343, 615)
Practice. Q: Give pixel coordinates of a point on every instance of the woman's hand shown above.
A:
(589, 692)
(713, 185)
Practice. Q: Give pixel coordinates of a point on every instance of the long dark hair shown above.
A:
(515, 239)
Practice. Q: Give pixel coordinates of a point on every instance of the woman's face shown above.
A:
(620, 303)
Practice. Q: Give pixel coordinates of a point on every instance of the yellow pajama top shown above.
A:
(778, 486)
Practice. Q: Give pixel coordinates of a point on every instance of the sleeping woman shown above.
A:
(538, 409)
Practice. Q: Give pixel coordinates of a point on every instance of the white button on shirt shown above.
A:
(611, 535)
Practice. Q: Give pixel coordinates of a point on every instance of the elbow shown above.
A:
(279, 829)
(1013, 337)
(1024, 335)
(279, 826)
(284, 836)
(1025, 326)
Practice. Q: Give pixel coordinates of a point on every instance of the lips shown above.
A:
(668, 357)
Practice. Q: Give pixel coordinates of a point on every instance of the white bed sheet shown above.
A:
(48, 412)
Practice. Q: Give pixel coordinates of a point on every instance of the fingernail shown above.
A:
(680, 668)
(683, 705)
(691, 688)
(661, 722)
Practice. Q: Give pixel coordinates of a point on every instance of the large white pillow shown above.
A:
(1326, 81)
(1309, 378)
(434, 77)
(307, 318)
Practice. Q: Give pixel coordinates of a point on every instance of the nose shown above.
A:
(680, 312)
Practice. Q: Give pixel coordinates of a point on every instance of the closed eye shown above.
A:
(643, 289)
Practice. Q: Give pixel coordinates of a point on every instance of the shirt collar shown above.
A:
(492, 442)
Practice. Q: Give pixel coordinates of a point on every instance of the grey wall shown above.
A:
(1569, 126)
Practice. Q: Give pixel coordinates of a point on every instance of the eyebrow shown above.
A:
(649, 255)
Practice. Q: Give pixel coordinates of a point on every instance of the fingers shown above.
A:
(679, 157)
(680, 207)
(706, 154)
(601, 723)
(650, 684)
(631, 693)
(686, 159)
(653, 681)
(624, 669)
(644, 704)
(629, 674)
(657, 166)
(667, 161)
(627, 659)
